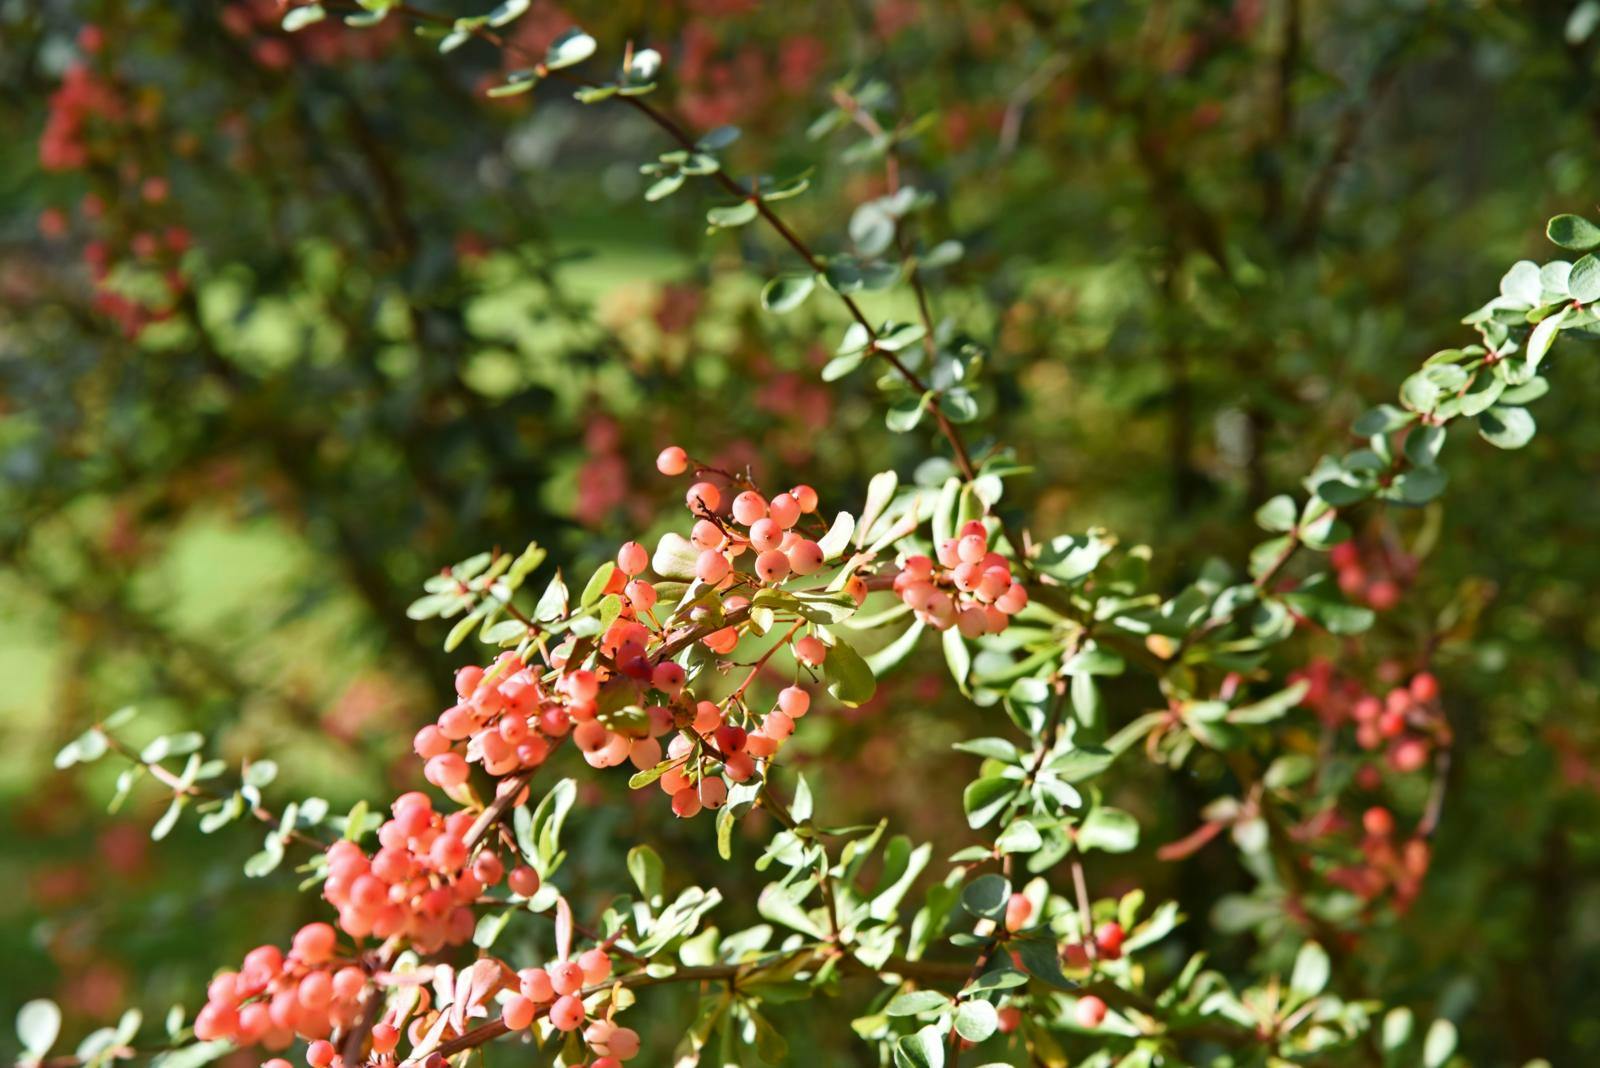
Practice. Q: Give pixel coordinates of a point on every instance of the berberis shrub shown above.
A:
(448, 926)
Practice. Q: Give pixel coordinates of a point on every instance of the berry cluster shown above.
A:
(1388, 865)
(90, 120)
(556, 992)
(769, 529)
(1406, 722)
(419, 883)
(274, 996)
(969, 586)
(506, 720)
(713, 750)
(1377, 576)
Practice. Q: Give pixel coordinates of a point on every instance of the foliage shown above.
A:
(1270, 755)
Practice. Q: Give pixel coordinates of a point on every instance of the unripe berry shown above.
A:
(672, 461)
(566, 1014)
(1089, 1011)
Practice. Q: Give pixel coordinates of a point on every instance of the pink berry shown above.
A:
(518, 1013)
(810, 650)
(772, 566)
(535, 985)
(566, 976)
(672, 461)
(711, 567)
(794, 701)
(686, 804)
(566, 1014)
(320, 1054)
(385, 1037)
(596, 966)
(632, 558)
(314, 943)
(748, 507)
(806, 497)
(765, 534)
(785, 510)
(805, 557)
(703, 497)
(1090, 1011)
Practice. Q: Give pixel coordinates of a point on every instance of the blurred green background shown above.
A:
(414, 323)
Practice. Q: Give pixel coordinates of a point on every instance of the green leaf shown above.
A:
(298, 18)
(1584, 281)
(787, 292)
(976, 1020)
(1439, 1045)
(1277, 515)
(1020, 836)
(731, 215)
(925, 1049)
(986, 896)
(508, 11)
(957, 656)
(1110, 829)
(571, 48)
(1506, 428)
(38, 1026)
(647, 870)
(595, 588)
(539, 833)
(986, 798)
(1381, 420)
(1311, 969)
(1573, 232)
(917, 1002)
(850, 679)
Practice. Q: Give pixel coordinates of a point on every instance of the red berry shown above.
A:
(1090, 1011)
(1108, 939)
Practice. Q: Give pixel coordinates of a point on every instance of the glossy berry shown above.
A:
(672, 461)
